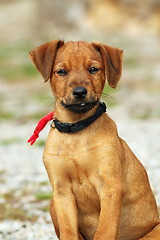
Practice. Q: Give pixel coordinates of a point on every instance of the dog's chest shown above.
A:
(83, 178)
(75, 162)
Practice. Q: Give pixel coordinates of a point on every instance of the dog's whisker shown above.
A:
(107, 98)
(106, 95)
(50, 103)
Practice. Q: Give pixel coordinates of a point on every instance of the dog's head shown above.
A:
(78, 71)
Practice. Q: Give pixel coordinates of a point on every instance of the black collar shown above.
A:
(78, 126)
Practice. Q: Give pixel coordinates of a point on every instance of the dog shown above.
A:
(100, 189)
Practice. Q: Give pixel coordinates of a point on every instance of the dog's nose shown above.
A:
(79, 92)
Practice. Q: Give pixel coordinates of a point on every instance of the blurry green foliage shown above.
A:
(7, 211)
(15, 63)
(43, 195)
(40, 143)
(9, 141)
(107, 94)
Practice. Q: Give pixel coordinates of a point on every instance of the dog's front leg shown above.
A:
(66, 212)
(110, 201)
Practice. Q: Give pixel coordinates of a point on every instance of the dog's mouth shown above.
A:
(82, 107)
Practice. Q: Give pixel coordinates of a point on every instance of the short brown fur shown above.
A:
(100, 189)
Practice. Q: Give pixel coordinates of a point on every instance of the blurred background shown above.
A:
(131, 25)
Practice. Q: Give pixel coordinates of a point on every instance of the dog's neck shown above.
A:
(66, 116)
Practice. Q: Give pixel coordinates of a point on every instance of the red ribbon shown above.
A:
(41, 124)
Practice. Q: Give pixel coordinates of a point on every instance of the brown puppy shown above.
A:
(100, 189)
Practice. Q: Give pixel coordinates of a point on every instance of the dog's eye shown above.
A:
(62, 72)
(93, 70)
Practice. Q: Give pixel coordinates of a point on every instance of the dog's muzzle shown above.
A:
(81, 103)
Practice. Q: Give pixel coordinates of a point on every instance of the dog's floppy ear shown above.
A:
(112, 58)
(43, 57)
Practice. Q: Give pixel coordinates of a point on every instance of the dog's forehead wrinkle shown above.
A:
(77, 60)
(76, 47)
(79, 48)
